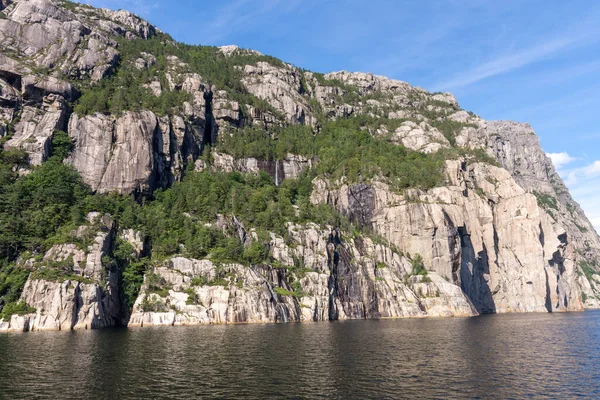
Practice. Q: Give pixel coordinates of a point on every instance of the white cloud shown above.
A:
(592, 170)
(584, 185)
(560, 159)
(506, 63)
(541, 48)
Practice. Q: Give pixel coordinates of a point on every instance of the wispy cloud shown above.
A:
(228, 14)
(241, 13)
(556, 108)
(561, 159)
(584, 185)
(540, 49)
(507, 63)
(592, 170)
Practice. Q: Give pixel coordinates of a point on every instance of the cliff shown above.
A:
(189, 184)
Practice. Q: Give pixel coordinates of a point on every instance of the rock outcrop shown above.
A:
(516, 147)
(75, 42)
(70, 288)
(282, 88)
(339, 279)
(135, 153)
(44, 43)
(289, 168)
(420, 137)
(481, 231)
(495, 236)
(34, 131)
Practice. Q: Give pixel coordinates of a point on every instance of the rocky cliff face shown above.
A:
(44, 45)
(481, 231)
(289, 168)
(340, 279)
(517, 149)
(502, 236)
(70, 287)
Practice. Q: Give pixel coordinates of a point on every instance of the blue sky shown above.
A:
(535, 61)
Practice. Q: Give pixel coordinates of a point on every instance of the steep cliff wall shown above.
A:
(70, 288)
(481, 230)
(340, 278)
(495, 231)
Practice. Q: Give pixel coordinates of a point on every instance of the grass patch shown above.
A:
(546, 201)
(16, 308)
(284, 292)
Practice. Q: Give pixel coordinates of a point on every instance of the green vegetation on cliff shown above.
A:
(18, 308)
(124, 90)
(34, 206)
(39, 209)
(226, 217)
(346, 149)
(182, 219)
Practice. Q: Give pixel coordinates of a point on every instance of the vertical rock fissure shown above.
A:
(548, 298)
(332, 283)
(361, 204)
(282, 313)
(113, 144)
(77, 303)
(454, 246)
(207, 137)
(473, 269)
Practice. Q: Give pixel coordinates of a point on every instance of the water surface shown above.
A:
(496, 356)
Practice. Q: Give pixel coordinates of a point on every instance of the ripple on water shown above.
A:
(499, 356)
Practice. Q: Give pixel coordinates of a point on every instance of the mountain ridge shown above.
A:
(220, 185)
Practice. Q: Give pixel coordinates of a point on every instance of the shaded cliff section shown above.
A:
(517, 149)
(316, 276)
(161, 149)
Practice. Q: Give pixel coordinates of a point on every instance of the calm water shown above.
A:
(500, 356)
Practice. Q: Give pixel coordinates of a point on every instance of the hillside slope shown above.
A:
(148, 182)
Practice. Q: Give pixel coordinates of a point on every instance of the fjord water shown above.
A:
(496, 356)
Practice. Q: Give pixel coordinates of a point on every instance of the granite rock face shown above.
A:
(76, 40)
(34, 131)
(503, 236)
(516, 147)
(282, 88)
(289, 168)
(481, 231)
(353, 279)
(75, 43)
(87, 297)
(420, 137)
(115, 155)
(135, 153)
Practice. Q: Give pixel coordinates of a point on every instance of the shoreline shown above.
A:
(258, 323)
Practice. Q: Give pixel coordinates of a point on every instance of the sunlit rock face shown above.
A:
(352, 279)
(481, 231)
(499, 235)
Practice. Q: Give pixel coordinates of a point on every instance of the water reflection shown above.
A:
(498, 356)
